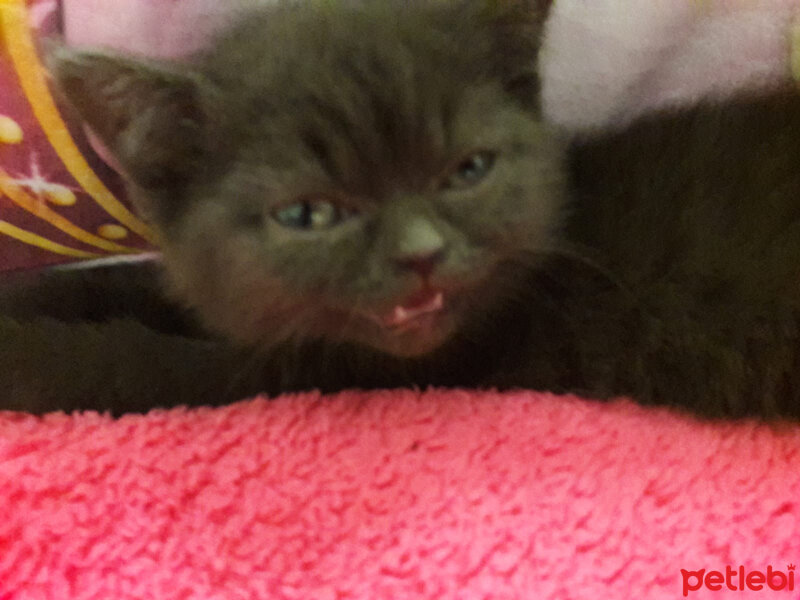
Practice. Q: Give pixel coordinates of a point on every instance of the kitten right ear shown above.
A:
(518, 29)
(152, 116)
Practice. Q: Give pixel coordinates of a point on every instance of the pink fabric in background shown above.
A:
(163, 28)
(392, 495)
(605, 62)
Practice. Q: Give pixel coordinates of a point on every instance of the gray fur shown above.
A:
(659, 262)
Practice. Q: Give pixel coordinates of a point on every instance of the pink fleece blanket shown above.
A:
(437, 495)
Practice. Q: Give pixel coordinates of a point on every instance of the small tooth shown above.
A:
(403, 314)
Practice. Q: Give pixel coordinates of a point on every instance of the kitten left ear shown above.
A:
(152, 116)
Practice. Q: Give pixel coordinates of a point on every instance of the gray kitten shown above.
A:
(363, 194)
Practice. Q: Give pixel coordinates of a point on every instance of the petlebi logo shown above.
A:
(739, 579)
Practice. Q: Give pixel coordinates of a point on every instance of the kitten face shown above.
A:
(363, 176)
(251, 257)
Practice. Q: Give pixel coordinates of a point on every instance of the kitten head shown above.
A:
(367, 172)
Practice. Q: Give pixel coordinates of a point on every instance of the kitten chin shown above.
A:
(414, 327)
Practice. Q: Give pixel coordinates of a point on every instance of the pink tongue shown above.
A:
(429, 303)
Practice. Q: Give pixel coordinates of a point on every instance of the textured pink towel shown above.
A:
(394, 495)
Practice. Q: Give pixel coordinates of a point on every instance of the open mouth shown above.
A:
(418, 310)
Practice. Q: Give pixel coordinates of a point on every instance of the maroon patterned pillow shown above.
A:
(59, 201)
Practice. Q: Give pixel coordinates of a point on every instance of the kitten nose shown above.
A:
(423, 264)
(421, 247)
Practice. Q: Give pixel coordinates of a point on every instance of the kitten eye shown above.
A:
(471, 170)
(311, 214)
